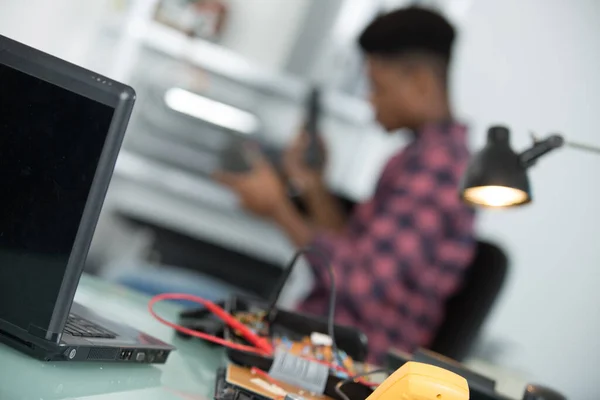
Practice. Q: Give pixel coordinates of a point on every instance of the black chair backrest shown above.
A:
(466, 311)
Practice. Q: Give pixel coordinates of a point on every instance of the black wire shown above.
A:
(272, 310)
(332, 301)
(338, 386)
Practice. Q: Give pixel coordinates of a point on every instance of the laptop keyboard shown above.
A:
(77, 326)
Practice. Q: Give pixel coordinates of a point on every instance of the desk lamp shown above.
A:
(497, 175)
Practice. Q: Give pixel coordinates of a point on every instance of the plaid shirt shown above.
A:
(404, 252)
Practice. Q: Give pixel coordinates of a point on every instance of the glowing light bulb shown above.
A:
(495, 196)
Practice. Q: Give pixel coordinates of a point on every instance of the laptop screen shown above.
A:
(50, 142)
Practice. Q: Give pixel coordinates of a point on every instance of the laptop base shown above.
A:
(129, 345)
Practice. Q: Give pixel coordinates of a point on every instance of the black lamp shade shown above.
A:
(496, 176)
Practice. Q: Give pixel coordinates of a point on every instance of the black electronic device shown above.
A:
(201, 320)
(61, 128)
(296, 326)
(314, 156)
(537, 392)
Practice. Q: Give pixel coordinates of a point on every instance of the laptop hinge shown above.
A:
(43, 333)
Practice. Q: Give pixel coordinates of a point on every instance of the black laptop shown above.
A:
(61, 128)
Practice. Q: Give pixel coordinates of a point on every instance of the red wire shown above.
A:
(201, 335)
(230, 320)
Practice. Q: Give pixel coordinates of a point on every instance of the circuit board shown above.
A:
(258, 386)
(304, 347)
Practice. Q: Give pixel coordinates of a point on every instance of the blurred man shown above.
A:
(404, 252)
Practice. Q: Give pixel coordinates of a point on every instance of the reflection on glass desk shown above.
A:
(188, 374)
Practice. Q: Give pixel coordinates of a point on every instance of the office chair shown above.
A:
(466, 311)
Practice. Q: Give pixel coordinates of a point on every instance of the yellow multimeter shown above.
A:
(418, 381)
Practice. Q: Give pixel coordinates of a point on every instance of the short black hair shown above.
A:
(408, 30)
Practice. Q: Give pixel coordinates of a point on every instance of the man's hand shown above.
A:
(260, 190)
(302, 177)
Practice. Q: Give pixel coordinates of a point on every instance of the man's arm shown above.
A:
(296, 228)
(325, 210)
(262, 192)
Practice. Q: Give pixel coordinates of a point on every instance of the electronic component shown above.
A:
(307, 349)
(255, 321)
(300, 372)
(320, 339)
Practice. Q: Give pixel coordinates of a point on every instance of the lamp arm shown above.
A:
(584, 147)
(540, 148)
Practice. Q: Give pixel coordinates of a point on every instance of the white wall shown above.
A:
(534, 65)
(264, 30)
(64, 28)
(261, 30)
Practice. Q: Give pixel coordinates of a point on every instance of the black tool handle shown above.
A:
(314, 155)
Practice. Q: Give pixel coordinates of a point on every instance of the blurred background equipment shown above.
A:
(197, 18)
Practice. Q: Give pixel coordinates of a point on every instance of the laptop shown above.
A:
(61, 128)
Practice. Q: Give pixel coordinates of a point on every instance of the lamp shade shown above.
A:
(496, 176)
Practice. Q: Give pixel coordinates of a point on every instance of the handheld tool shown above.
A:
(313, 156)
(417, 381)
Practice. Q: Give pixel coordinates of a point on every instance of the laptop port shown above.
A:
(125, 355)
(140, 357)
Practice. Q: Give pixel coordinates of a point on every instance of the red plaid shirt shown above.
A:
(404, 252)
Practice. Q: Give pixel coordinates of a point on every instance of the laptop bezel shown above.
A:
(104, 90)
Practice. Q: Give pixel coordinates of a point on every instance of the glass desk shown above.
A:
(188, 374)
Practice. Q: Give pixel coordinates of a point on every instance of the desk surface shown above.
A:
(189, 373)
